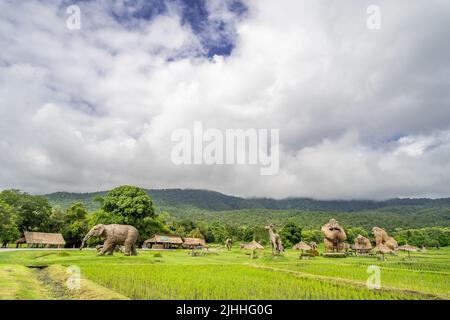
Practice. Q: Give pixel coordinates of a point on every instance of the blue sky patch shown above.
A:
(216, 37)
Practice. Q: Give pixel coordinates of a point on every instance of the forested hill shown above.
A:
(215, 201)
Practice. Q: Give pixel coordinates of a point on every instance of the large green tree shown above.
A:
(33, 212)
(130, 205)
(291, 234)
(8, 226)
(75, 224)
(352, 233)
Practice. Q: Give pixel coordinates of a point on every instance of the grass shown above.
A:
(89, 290)
(20, 283)
(225, 282)
(231, 275)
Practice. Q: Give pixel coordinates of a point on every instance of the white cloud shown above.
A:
(90, 109)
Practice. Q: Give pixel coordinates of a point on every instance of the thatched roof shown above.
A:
(44, 238)
(301, 246)
(382, 249)
(253, 246)
(194, 242)
(164, 239)
(408, 248)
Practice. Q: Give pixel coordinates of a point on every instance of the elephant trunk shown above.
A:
(86, 238)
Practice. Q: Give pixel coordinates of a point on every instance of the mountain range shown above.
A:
(216, 201)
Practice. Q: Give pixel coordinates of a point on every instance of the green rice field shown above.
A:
(175, 274)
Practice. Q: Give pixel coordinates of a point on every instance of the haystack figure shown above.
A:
(334, 236)
(362, 245)
(275, 240)
(382, 238)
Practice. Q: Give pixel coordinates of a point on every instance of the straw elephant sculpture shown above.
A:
(114, 235)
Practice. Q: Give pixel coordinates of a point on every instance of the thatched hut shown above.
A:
(192, 243)
(163, 242)
(382, 249)
(408, 248)
(301, 246)
(253, 246)
(44, 239)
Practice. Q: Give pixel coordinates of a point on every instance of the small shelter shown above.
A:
(253, 246)
(44, 239)
(409, 249)
(192, 243)
(303, 247)
(163, 242)
(382, 249)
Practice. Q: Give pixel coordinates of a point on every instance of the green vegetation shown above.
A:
(21, 212)
(215, 201)
(17, 282)
(8, 227)
(230, 275)
(420, 222)
(387, 218)
(129, 205)
(207, 282)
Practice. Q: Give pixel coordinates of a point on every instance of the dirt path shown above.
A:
(20, 283)
(56, 278)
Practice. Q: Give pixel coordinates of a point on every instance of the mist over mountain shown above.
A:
(215, 201)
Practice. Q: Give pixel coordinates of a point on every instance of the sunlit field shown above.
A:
(174, 274)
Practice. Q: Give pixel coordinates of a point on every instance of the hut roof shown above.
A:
(44, 238)
(408, 248)
(253, 246)
(194, 242)
(382, 249)
(301, 246)
(164, 239)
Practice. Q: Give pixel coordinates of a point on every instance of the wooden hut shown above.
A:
(44, 239)
(192, 243)
(163, 242)
(253, 246)
(303, 247)
(409, 249)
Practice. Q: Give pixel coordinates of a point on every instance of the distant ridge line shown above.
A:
(216, 201)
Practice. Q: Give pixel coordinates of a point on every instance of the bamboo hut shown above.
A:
(409, 249)
(382, 249)
(253, 246)
(44, 239)
(193, 243)
(163, 242)
(303, 247)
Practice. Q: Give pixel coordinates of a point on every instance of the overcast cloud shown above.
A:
(362, 113)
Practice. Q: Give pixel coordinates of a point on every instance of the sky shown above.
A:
(361, 113)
